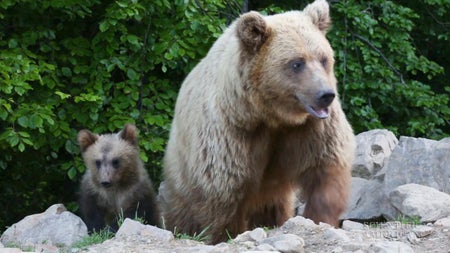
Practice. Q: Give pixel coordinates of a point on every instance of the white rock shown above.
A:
(286, 243)
(420, 161)
(54, 226)
(259, 251)
(334, 234)
(422, 231)
(412, 238)
(390, 247)
(257, 234)
(337, 250)
(10, 250)
(415, 200)
(298, 221)
(196, 249)
(351, 225)
(265, 247)
(373, 148)
(131, 227)
(444, 222)
(367, 200)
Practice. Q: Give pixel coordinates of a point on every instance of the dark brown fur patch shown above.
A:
(252, 31)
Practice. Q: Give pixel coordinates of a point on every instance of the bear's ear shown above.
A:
(86, 139)
(252, 31)
(129, 133)
(319, 12)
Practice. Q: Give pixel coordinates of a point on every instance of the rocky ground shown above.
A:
(391, 178)
(296, 235)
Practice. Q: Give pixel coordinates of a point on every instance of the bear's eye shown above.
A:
(98, 164)
(297, 65)
(324, 62)
(115, 163)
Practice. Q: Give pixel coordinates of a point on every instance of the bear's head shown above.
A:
(112, 159)
(289, 63)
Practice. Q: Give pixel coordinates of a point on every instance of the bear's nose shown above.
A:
(324, 98)
(106, 184)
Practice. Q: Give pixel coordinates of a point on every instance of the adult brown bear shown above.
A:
(258, 118)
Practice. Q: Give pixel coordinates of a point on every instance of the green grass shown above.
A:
(415, 220)
(201, 237)
(94, 238)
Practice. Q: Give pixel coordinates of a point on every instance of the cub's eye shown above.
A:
(98, 164)
(324, 62)
(115, 163)
(297, 65)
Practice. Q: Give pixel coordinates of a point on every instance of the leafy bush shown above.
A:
(385, 81)
(67, 65)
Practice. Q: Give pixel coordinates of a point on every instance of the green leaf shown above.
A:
(23, 121)
(132, 74)
(72, 173)
(104, 26)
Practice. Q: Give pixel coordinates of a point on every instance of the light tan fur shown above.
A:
(250, 129)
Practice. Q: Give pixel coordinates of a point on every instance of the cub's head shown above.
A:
(112, 159)
(289, 63)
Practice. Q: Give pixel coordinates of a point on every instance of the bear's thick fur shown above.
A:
(255, 120)
(115, 184)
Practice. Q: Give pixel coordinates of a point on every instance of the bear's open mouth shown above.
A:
(321, 113)
(318, 112)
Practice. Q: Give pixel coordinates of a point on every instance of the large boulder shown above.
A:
(420, 201)
(55, 226)
(420, 161)
(367, 200)
(373, 149)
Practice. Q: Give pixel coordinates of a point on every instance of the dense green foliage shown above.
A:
(72, 64)
(67, 65)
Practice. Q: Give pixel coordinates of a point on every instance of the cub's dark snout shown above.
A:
(106, 184)
(325, 98)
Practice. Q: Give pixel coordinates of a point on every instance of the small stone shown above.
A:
(265, 247)
(334, 234)
(337, 250)
(286, 243)
(242, 237)
(298, 221)
(422, 231)
(351, 225)
(10, 250)
(248, 244)
(131, 227)
(354, 246)
(389, 247)
(196, 249)
(257, 234)
(259, 251)
(444, 222)
(412, 237)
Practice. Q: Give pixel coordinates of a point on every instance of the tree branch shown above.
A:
(396, 71)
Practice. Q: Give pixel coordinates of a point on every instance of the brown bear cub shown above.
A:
(256, 120)
(115, 183)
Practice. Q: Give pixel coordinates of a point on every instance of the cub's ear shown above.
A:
(252, 30)
(85, 139)
(129, 133)
(319, 12)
